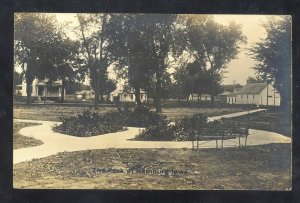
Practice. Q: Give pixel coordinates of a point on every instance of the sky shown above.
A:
(238, 69)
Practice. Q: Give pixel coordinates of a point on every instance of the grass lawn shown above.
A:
(266, 167)
(20, 141)
(54, 112)
(270, 120)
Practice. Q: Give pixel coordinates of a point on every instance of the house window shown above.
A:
(234, 100)
(253, 96)
(131, 96)
(247, 96)
(141, 96)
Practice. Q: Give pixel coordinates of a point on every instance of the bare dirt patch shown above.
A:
(265, 167)
(20, 141)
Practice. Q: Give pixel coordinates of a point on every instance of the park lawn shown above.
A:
(54, 112)
(20, 141)
(270, 120)
(266, 167)
(175, 114)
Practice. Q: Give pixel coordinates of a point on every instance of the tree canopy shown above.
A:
(273, 56)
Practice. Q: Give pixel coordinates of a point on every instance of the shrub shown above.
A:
(90, 123)
(160, 132)
(143, 117)
(183, 130)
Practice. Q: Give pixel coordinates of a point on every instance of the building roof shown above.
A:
(44, 83)
(124, 91)
(252, 88)
(232, 94)
(225, 93)
(84, 92)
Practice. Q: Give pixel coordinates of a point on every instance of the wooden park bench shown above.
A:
(221, 132)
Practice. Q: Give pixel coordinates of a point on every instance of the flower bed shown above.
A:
(92, 123)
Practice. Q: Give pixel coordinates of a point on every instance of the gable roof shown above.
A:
(252, 88)
(225, 93)
(232, 94)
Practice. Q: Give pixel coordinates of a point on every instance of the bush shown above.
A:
(143, 117)
(183, 130)
(90, 123)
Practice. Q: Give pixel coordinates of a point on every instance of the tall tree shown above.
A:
(159, 39)
(66, 62)
(128, 49)
(273, 57)
(94, 48)
(254, 80)
(35, 39)
(212, 46)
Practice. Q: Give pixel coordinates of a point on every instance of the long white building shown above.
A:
(256, 93)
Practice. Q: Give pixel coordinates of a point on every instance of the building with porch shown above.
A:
(42, 89)
(127, 96)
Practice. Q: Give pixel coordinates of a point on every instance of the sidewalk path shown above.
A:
(57, 142)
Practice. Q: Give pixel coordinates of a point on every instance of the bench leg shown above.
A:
(246, 140)
(216, 144)
(239, 141)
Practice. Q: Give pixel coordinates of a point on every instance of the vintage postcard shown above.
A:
(152, 101)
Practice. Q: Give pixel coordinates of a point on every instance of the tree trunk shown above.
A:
(96, 100)
(212, 100)
(158, 94)
(28, 92)
(137, 95)
(101, 98)
(62, 95)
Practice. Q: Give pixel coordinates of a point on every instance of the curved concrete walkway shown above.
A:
(57, 142)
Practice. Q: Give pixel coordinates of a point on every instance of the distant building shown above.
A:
(255, 93)
(85, 95)
(231, 98)
(127, 96)
(223, 97)
(199, 97)
(42, 89)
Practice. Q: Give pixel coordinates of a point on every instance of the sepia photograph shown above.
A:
(136, 101)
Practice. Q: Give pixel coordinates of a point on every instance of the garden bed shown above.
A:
(20, 141)
(91, 123)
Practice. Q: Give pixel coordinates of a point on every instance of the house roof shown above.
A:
(85, 92)
(252, 88)
(119, 91)
(225, 93)
(44, 83)
(232, 94)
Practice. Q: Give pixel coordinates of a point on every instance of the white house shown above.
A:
(256, 93)
(127, 96)
(41, 89)
(199, 97)
(85, 95)
(231, 98)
